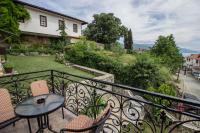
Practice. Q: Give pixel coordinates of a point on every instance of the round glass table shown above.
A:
(39, 107)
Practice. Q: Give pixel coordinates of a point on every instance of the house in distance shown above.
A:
(44, 24)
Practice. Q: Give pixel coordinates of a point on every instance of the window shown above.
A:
(197, 61)
(75, 28)
(61, 23)
(21, 20)
(43, 21)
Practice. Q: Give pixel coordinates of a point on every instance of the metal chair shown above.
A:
(84, 124)
(40, 87)
(7, 115)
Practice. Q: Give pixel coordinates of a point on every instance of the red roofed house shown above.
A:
(193, 60)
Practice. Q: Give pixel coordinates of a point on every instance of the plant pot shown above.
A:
(8, 70)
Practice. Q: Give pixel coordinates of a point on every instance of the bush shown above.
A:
(60, 58)
(145, 72)
(117, 48)
(7, 65)
(166, 89)
(30, 49)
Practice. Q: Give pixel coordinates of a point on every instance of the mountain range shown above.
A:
(147, 46)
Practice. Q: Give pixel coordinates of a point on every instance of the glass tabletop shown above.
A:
(39, 105)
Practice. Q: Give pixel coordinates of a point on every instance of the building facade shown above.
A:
(44, 24)
(193, 60)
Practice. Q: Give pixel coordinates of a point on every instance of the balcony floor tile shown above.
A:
(55, 120)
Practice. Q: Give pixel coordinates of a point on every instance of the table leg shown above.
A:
(40, 125)
(48, 125)
(43, 123)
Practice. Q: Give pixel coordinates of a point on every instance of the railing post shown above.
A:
(52, 81)
(16, 92)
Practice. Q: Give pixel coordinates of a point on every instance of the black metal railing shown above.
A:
(133, 109)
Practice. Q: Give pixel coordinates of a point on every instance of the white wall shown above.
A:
(33, 24)
(192, 62)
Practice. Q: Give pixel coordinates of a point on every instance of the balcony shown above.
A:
(133, 109)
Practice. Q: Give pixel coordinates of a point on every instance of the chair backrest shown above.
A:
(101, 118)
(39, 87)
(96, 126)
(6, 108)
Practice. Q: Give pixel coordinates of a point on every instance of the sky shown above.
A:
(147, 18)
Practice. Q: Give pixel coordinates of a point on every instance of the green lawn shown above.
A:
(36, 63)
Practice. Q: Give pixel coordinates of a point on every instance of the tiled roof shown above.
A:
(44, 9)
(194, 56)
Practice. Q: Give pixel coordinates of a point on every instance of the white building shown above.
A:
(44, 23)
(193, 60)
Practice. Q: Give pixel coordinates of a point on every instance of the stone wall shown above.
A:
(34, 39)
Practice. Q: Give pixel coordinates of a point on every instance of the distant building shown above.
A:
(193, 60)
(44, 24)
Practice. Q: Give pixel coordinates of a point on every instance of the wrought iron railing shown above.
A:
(133, 109)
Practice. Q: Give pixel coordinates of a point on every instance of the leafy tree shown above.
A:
(166, 49)
(105, 28)
(10, 13)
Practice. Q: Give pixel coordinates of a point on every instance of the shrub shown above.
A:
(60, 58)
(145, 72)
(95, 106)
(7, 65)
(117, 48)
(166, 89)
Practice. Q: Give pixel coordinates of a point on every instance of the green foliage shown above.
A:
(95, 106)
(166, 49)
(146, 72)
(86, 55)
(117, 48)
(163, 89)
(59, 44)
(27, 49)
(60, 58)
(10, 14)
(128, 40)
(7, 65)
(105, 28)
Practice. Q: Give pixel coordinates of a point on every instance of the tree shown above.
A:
(105, 28)
(10, 13)
(166, 49)
(130, 40)
(145, 72)
(125, 35)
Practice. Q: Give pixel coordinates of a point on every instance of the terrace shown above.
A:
(132, 110)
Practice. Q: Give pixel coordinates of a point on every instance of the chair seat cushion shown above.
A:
(80, 122)
(6, 108)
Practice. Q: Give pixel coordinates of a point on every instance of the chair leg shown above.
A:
(29, 126)
(63, 115)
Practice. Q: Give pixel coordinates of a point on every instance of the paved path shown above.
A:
(190, 84)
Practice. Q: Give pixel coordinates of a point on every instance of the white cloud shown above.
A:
(147, 18)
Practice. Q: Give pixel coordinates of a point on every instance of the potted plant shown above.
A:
(8, 67)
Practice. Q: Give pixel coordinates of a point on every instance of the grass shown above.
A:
(123, 58)
(36, 63)
(127, 58)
